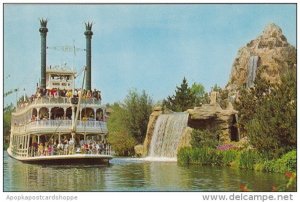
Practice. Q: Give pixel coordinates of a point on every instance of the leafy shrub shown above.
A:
(287, 163)
(289, 160)
(204, 138)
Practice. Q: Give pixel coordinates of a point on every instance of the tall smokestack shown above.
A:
(88, 35)
(43, 30)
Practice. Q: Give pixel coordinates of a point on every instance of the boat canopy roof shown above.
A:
(62, 70)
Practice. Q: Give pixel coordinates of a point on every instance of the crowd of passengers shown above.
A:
(56, 93)
(84, 118)
(68, 147)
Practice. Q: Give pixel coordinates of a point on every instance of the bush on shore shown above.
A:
(247, 159)
(287, 163)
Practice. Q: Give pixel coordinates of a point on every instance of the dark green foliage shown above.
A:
(183, 99)
(249, 100)
(204, 138)
(186, 97)
(268, 115)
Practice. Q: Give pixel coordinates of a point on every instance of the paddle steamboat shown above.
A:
(61, 124)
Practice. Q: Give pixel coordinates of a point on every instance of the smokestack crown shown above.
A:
(43, 28)
(88, 29)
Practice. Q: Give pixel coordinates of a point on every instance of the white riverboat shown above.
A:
(60, 124)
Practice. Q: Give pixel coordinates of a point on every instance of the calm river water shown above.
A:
(124, 174)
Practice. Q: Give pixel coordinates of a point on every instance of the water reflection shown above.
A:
(131, 175)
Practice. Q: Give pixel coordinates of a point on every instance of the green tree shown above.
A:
(119, 137)
(7, 123)
(138, 108)
(249, 101)
(272, 129)
(183, 99)
(128, 122)
(201, 97)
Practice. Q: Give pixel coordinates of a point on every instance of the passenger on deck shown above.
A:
(71, 146)
(41, 149)
(60, 148)
(46, 149)
(88, 94)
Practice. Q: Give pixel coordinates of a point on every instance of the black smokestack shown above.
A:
(43, 30)
(88, 35)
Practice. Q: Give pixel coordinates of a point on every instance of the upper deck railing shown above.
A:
(57, 100)
(61, 125)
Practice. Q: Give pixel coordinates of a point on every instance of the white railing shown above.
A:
(58, 100)
(58, 125)
(34, 152)
(69, 150)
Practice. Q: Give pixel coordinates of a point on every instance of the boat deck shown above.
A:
(65, 159)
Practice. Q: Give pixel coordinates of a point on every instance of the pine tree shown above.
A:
(183, 99)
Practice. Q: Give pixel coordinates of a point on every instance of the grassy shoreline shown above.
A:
(243, 159)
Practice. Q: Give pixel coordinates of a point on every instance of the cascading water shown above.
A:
(167, 133)
(252, 71)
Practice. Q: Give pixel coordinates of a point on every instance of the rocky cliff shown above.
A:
(150, 129)
(270, 54)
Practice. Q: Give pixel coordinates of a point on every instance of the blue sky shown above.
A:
(146, 47)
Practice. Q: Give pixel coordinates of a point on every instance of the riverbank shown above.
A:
(245, 159)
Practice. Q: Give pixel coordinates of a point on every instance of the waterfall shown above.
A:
(166, 135)
(252, 66)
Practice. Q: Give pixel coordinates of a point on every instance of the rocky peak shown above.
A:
(271, 37)
(273, 56)
(272, 30)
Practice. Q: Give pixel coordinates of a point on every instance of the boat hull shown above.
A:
(87, 159)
